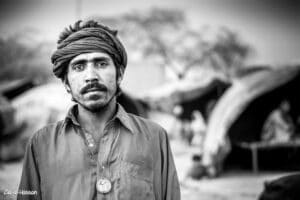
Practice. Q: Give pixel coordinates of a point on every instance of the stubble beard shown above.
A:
(97, 107)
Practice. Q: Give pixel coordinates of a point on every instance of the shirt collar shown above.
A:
(71, 115)
(121, 115)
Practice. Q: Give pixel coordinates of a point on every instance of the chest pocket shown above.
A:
(135, 181)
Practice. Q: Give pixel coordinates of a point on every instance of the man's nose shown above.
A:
(91, 74)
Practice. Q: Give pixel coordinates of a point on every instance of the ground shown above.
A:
(231, 185)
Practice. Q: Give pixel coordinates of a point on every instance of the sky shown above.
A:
(272, 27)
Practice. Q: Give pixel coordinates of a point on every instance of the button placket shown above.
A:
(90, 144)
(103, 150)
(90, 140)
(103, 173)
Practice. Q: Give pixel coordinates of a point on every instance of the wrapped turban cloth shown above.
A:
(88, 40)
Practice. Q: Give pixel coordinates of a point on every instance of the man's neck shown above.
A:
(94, 122)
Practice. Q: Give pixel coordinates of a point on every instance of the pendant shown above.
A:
(103, 185)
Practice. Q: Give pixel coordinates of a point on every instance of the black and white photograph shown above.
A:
(149, 100)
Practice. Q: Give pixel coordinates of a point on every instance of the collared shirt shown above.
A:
(63, 162)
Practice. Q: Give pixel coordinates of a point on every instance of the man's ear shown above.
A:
(120, 75)
(66, 85)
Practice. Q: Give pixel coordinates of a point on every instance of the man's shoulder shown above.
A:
(142, 124)
(48, 130)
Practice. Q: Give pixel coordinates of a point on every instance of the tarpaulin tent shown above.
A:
(191, 94)
(11, 89)
(241, 111)
(8, 91)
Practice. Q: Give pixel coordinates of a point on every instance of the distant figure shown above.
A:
(284, 188)
(279, 126)
(198, 127)
(99, 151)
(197, 170)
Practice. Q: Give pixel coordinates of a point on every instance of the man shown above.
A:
(279, 126)
(98, 151)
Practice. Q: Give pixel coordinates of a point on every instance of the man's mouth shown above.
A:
(93, 90)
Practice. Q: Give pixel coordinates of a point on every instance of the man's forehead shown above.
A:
(91, 56)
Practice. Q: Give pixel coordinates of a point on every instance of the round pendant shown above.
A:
(103, 185)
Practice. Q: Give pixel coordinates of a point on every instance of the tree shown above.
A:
(164, 36)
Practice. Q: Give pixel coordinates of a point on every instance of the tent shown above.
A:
(8, 91)
(242, 110)
(191, 94)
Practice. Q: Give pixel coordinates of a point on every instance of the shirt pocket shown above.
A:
(135, 181)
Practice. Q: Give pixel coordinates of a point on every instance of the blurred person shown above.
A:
(279, 126)
(198, 126)
(98, 151)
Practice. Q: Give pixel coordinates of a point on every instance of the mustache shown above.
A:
(94, 85)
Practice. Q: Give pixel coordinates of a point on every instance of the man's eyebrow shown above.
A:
(101, 59)
(79, 61)
(82, 61)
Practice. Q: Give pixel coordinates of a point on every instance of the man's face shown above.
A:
(92, 80)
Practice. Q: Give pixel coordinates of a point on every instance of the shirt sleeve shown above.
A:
(29, 187)
(170, 183)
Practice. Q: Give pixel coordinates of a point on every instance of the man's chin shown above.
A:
(94, 107)
(94, 96)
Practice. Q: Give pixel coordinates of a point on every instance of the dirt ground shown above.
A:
(231, 185)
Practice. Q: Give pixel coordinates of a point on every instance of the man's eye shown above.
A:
(78, 67)
(101, 64)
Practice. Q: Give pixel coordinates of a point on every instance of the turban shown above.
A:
(88, 40)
